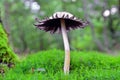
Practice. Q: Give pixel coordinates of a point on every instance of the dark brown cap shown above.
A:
(53, 24)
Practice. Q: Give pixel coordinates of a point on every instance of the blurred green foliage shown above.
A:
(48, 65)
(19, 18)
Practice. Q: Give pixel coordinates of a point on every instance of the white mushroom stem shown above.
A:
(66, 46)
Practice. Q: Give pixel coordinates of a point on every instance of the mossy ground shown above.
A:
(48, 65)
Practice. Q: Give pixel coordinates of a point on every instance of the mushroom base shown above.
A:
(67, 62)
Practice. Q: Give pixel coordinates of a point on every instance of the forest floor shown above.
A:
(48, 65)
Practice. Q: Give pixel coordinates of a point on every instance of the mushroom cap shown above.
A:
(53, 23)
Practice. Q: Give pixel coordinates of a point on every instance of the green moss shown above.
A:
(48, 65)
(7, 56)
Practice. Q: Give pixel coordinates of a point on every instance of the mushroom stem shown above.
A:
(66, 46)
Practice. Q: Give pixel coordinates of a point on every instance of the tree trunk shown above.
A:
(95, 39)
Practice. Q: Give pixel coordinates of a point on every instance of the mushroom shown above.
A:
(61, 22)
